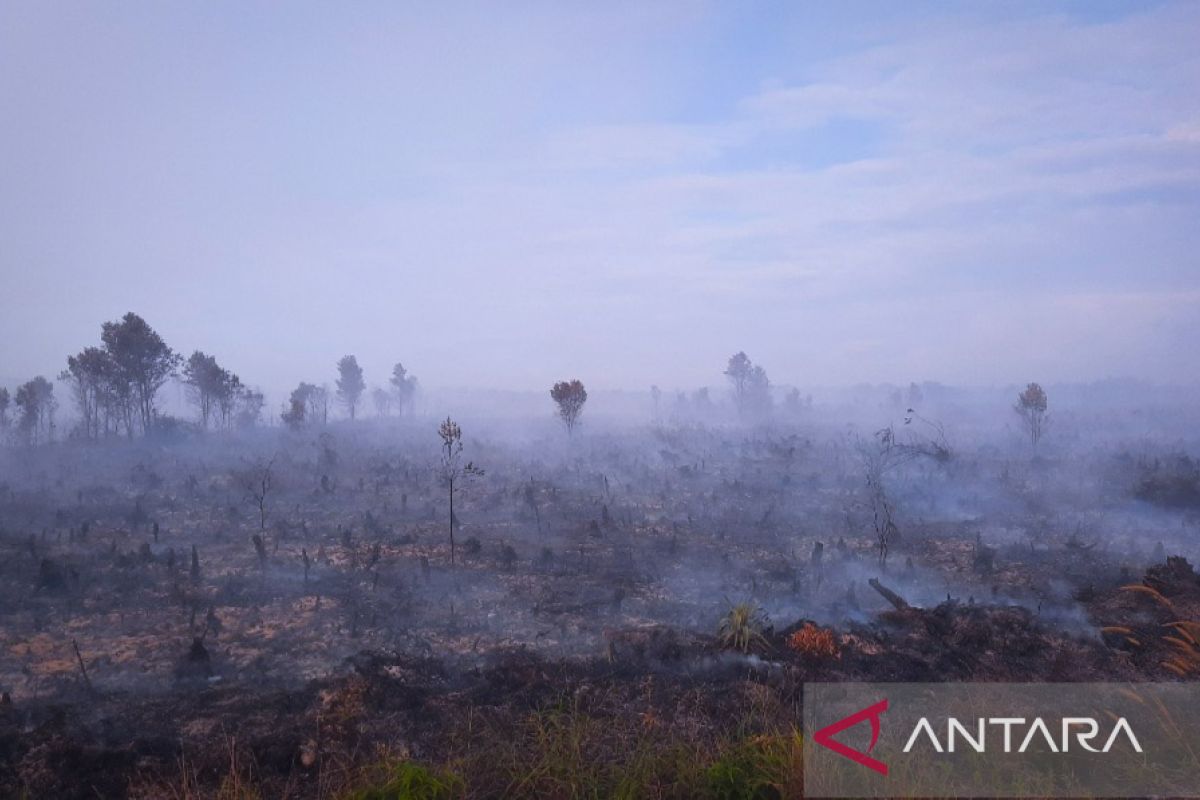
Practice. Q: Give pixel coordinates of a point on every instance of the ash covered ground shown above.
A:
(281, 606)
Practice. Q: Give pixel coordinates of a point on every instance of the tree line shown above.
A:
(115, 387)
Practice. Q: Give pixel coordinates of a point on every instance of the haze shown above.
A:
(987, 194)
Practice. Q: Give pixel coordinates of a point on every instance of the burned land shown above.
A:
(630, 609)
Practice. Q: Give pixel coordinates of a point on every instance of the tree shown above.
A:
(751, 387)
(230, 394)
(879, 456)
(738, 372)
(35, 400)
(318, 404)
(382, 400)
(4, 399)
(1031, 408)
(405, 386)
(451, 470)
(249, 408)
(758, 394)
(215, 390)
(299, 408)
(90, 375)
(143, 362)
(350, 383)
(256, 480)
(570, 397)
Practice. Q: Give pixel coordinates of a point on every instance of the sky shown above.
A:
(507, 194)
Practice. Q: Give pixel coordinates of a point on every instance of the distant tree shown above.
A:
(4, 400)
(300, 405)
(405, 387)
(350, 383)
(570, 397)
(214, 390)
(382, 400)
(738, 371)
(1031, 408)
(656, 397)
(249, 408)
(143, 363)
(451, 470)
(318, 404)
(230, 396)
(35, 400)
(751, 387)
(90, 375)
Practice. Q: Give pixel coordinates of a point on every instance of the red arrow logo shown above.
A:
(824, 737)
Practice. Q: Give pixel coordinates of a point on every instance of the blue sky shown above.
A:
(504, 195)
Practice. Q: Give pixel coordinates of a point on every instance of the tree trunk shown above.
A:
(451, 523)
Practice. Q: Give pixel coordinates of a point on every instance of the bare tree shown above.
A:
(1031, 408)
(350, 383)
(256, 480)
(878, 456)
(4, 399)
(451, 470)
(570, 397)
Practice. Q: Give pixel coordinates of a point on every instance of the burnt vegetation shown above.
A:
(322, 602)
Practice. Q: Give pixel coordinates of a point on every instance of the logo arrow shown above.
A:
(824, 737)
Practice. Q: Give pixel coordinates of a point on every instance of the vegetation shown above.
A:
(742, 627)
(570, 397)
(813, 642)
(1031, 408)
(350, 384)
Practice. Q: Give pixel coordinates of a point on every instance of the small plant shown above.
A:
(1186, 642)
(759, 768)
(814, 642)
(742, 627)
(409, 781)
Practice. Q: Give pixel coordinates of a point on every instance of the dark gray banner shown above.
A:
(1001, 740)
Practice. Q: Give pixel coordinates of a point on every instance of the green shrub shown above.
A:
(409, 781)
(761, 768)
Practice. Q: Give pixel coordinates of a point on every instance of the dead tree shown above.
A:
(877, 457)
(897, 602)
(257, 480)
(87, 681)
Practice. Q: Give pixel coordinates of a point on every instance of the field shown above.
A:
(631, 610)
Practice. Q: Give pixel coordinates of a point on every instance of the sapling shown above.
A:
(451, 470)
